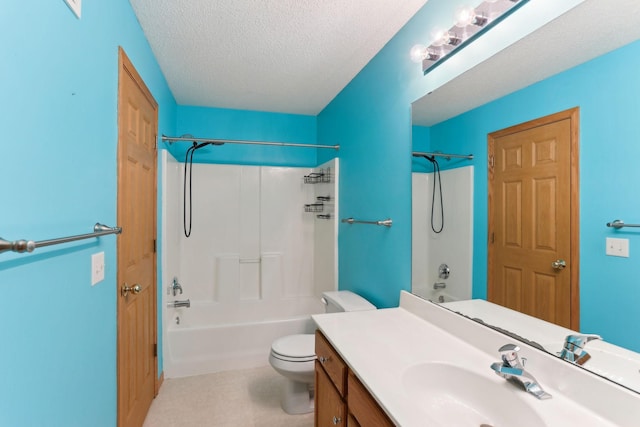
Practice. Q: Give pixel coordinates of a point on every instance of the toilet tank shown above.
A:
(338, 301)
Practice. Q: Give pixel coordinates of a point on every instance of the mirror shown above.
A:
(558, 67)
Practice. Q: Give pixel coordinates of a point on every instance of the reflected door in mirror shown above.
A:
(530, 220)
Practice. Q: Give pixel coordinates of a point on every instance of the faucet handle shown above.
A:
(573, 349)
(579, 340)
(510, 357)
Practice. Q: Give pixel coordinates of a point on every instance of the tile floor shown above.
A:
(245, 398)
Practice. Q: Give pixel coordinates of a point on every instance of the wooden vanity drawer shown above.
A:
(363, 407)
(333, 364)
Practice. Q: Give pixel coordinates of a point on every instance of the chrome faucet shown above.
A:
(512, 369)
(573, 349)
(175, 287)
(177, 304)
(439, 285)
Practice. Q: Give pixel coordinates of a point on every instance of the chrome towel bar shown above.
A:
(618, 224)
(386, 222)
(29, 245)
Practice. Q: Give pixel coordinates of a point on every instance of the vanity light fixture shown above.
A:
(469, 23)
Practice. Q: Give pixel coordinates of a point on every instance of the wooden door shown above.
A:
(533, 218)
(137, 130)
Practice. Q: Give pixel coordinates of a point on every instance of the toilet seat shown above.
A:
(294, 348)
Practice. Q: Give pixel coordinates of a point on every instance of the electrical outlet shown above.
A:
(97, 268)
(75, 6)
(617, 247)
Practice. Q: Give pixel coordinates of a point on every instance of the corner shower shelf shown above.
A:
(314, 207)
(322, 176)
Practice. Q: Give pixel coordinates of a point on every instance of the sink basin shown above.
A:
(453, 396)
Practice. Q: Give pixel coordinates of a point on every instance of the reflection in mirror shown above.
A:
(442, 224)
(514, 87)
(589, 351)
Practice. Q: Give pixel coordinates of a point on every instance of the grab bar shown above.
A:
(618, 224)
(386, 222)
(21, 246)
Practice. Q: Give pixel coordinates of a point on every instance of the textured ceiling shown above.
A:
(585, 32)
(291, 56)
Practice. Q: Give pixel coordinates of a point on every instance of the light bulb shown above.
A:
(439, 37)
(418, 53)
(464, 16)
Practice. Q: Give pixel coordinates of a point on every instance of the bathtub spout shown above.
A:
(176, 304)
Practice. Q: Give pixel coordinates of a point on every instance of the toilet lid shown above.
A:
(301, 346)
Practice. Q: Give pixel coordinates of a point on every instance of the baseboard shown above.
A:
(159, 382)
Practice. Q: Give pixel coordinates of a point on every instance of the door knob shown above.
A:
(135, 289)
(559, 264)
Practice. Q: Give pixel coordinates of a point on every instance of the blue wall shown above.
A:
(58, 101)
(247, 125)
(607, 93)
(371, 119)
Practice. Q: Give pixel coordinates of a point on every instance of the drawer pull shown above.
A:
(323, 359)
(336, 420)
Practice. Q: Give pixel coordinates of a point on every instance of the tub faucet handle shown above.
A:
(175, 287)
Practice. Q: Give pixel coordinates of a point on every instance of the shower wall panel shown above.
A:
(251, 241)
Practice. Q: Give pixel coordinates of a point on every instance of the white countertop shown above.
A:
(380, 345)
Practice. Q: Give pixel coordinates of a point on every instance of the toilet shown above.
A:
(293, 356)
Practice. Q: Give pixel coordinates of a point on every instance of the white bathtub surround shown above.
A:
(248, 268)
(384, 348)
(454, 245)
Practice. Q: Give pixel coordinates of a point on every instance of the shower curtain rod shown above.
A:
(171, 140)
(445, 155)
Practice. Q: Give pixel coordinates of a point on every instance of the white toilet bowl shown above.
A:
(293, 357)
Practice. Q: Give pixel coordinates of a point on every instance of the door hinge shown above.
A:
(155, 350)
(154, 246)
(492, 160)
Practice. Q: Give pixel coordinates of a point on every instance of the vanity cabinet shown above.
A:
(340, 398)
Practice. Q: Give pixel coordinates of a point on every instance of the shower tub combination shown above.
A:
(453, 245)
(253, 268)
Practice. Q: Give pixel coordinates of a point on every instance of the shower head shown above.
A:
(195, 145)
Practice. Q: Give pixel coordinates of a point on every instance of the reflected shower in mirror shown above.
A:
(442, 219)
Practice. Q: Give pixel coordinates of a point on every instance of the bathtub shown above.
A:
(195, 346)
(427, 292)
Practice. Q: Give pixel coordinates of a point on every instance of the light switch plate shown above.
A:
(97, 268)
(75, 6)
(617, 247)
